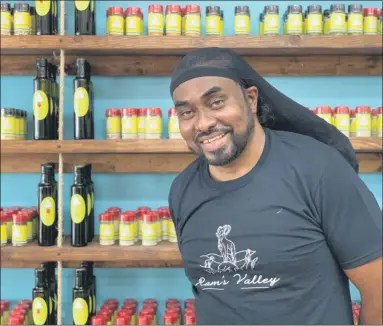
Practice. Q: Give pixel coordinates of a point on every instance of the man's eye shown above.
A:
(186, 114)
(217, 104)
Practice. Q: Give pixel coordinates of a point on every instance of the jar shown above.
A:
(352, 123)
(25, 124)
(133, 21)
(22, 19)
(242, 20)
(28, 217)
(116, 212)
(129, 123)
(3, 229)
(314, 20)
(139, 214)
(18, 122)
(363, 121)
(294, 20)
(113, 124)
(304, 17)
(164, 215)
(8, 124)
(213, 21)
(380, 24)
(4, 304)
(190, 320)
(173, 124)
(158, 227)
(19, 230)
(115, 21)
(141, 123)
(171, 231)
(338, 19)
(127, 228)
(32, 13)
(9, 225)
(153, 124)
(271, 20)
(285, 23)
(169, 319)
(149, 229)
(326, 22)
(156, 20)
(222, 23)
(379, 121)
(106, 229)
(342, 119)
(193, 20)
(173, 20)
(370, 25)
(261, 24)
(355, 19)
(142, 23)
(5, 22)
(324, 112)
(183, 19)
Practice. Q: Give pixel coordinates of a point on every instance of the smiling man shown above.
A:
(272, 219)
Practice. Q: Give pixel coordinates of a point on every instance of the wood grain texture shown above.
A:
(26, 163)
(366, 144)
(370, 162)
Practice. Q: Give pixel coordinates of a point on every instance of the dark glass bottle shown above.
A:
(40, 299)
(44, 17)
(47, 199)
(81, 302)
(88, 265)
(50, 281)
(90, 184)
(55, 101)
(83, 104)
(55, 24)
(84, 17)
(41, 102)
(78, 209)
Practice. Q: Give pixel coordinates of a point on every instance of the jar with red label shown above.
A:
(113, 124)
(324, 112)
(173, 124)
(153, 124)
(342, 119)
(363, 121)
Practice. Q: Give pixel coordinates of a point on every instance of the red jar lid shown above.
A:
(150, 305)
(129, 309)
(115, 11)
(154, 112)
(362, 109)
(28, 302)
(189, 320)
(112, 112)
(106, 217)
(130, 301)
(156, 9)
(141, 210)
(16, 320)
(172, 112)
(173, 306)
(129, 111)
(148, 300)
(381, 12)
(149, 217)
(125, 313)
(323, 110)
(342, 110)
(147, 311)
(98, 320)
(142, 111)
(163, 211)
(113, 209)
(133, 11)
(144, 320)
(16, 208)
(3, 217)
(173, 9)
(370, 11)
(193, 9)
(128, 216)
(170, 300)
(378, 110)
(105, 313)
(169, 319)
(19, 218)
(5, 304)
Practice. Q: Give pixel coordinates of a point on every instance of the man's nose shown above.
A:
(205, 122)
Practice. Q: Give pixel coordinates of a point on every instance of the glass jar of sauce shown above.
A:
(355, 19)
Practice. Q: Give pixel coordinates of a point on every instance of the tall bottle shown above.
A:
(41, 102)
(90, 184)
(88, 265)
(80, 303)
(40, 299)
(55, 25)
(79, 209)
(44, 17)
(47, 199)
(54, 101)
(84, 16)
(50, 281)
(83, 104)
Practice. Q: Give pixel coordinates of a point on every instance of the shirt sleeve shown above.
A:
(350, 215)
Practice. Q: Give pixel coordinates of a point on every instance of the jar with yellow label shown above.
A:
(379, 121)
(271, 20)
(173, 124)
(149, 229)
(9, 225)
(370, 25)
(133, 21)
(326, 22)
(106, 229)
(213, 21)
(29, 225)
(352, 123)
(284, 19)
(294, 20)
(19, 230)
(115, 21)
(363, 121)
(242, 20)
(18, 122)
(222, 23)
(261, 24)
(355, 19)
(141, 122)
(163, 214)
(338, 24)
(5, 22)
(8, 124)
(127, 228)
(129, 123)
(22, 19)
(113, 124)
(32, 12)
(324, 112)
(156, 20)
(171, 230)
(3, 229)
(342, 119)
(193, 20)
(139, 217)
(183, 19)
(314, 20)
(173, 26)
(153, 124)
(116, 212)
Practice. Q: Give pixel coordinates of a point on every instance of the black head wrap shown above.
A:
(275, 110)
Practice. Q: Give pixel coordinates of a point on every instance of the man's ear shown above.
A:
(252, 96)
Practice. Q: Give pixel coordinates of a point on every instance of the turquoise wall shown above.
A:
(129, 190)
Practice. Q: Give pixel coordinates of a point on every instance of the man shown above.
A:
(271, 224)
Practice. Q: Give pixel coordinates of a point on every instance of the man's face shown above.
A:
(215, 119)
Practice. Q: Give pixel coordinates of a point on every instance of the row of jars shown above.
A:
(359, 122)
(20, 20)
(143, 123)
(18, 225)
(144, 224)
(14, 124)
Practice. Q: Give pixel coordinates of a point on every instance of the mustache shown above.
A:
(222, 129)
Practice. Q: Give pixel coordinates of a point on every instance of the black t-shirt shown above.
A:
(270, 247)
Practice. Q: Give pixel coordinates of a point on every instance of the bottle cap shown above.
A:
(156, 9)
(363, 109)
(141, 210)
(193, 9)
(142, 112)
(128, 216)
(154, 112)
(342, 109)
(98, 320)
(173, 9)
(370, 11)
(129, 111)
(106, 217)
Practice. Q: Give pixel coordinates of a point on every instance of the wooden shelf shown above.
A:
(165, 254)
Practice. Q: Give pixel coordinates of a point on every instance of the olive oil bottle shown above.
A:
(50, 281)
(40, 299)
(80, 303)
(42, 125)
(54, 101)
(84, 17)
(47, 199)
(83, 102)
(79, 209)
(90, 197)
(44, 17)
(88, 265)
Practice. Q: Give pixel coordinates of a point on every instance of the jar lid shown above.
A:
(16, 320)
(378, 110)
(3, 216)
(381, 12)
(355, 8)
(193, 9)
(172, 300)
(189, 301)
(129, 308)
(26, 302)
(314, 9)
(5, 6)
(5, 304)
(173, 9)
(338, 7)
(172, 112)
(163, 211)
(370, 11)
(213, 10)
(151, 306)
(154, 112)
(149, 300)
(128, 216)
(130, 301)
(271, 9)
(115, 11)
(113, 209)
(113, 112)
(144, 320)
(190, 319)
(129, 111)
(148, 310)
(363, 109)
(19, 218)
(133, 11)
(172, 305)
(149, 217)
(98, 320)
(169, 318)
(323, 110)
(105, 217)
(23, 7)
(242, 10)
(105, 313)
(342, 110)
(156, 8)
(294, 9)
(142, 111)
(125, 313)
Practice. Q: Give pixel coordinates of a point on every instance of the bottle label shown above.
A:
(40, 105)
(80, 311)
(213, 25)
(22, 21)
(8, 128)
(153, 125)
(370, 25)
(338, 22)
(19, 233)
(271, 24)
(133, 25)
(363, 122)
(82, 5)
(314, 23)
(77, 208)
(89, 203)
(149, 231)
(171, 229)
(173, 24)
(241, 25)
(355, 23)
(342, 122)
(127, 231)
(92, 5)
(193, 25)
(113, 126)
(116, 25)
(106, 231)
(5, 21)
(92, 197)
(47, 211)
(129, 125)
(294, 24)
(155, 23)
(39, 311)
(42, 7)
(3, 233)
(164, 223)
(81, 101)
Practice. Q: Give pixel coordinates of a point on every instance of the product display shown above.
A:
(85, 17)
(14, 124)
